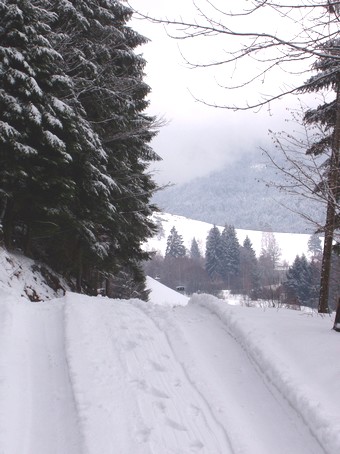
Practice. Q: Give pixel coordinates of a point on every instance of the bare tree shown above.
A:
(300, 173)
(257, 43)
(266, 37)
(326, 116)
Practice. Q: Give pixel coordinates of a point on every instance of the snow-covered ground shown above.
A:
(291, 244)
(90, 375)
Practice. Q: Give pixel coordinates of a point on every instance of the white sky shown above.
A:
(197, 139)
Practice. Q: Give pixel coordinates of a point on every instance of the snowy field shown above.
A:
(90, 375)
(291, 244)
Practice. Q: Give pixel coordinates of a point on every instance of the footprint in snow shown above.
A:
(157, 393)
(157, 367)
(175, 425)
(161, 406)
(196, 445)
(143, 435)
(130, 345)
(195, 411)
(140, 383)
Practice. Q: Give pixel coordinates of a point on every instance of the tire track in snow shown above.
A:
(180, 419)
(257, 420)
(5, 332)
(274, 380)
(108, 413)
(36, 395)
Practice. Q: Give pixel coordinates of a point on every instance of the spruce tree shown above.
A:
(74, 136)
(195, 253)
(39, 131)
(213, 253)
(249, 268)
(230, 254)
(300, 282)
(98, 49)
(314, 246)
(174, 245)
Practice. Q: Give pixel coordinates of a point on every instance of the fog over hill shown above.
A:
(240, 194)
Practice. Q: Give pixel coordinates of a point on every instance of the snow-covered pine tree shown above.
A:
(174, 245)
(195, 253)
(38, 130)
(230, 255)
(213, 253)
(299, 282)
(128, 283)
(315, 247)
(49, 152)
(249, 268)
(99, 54)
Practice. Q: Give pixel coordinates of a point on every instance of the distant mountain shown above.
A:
(240, 195)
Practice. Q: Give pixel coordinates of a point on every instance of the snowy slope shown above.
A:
(90, 375)
(291, 244)
(164, 296)
(25, 278)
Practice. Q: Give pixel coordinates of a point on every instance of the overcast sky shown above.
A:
(197, 139)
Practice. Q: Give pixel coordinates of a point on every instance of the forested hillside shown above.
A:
(241, 194)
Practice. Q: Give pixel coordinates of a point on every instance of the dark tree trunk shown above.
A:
(326, 259)
(333, 192)
(336, 326)
(79, 267)
(3, 206)
(28, 241)
(7, 224)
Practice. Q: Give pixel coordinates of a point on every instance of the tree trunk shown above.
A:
(326, 259)
(2, 215)
(79, 267)
(28, 241)
(7, 223)
(336, 326)
(333, 192)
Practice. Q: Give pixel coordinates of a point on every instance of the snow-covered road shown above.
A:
(38, 412)
(96, 376)
(255, 417)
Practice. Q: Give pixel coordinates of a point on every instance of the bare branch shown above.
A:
(309, 28)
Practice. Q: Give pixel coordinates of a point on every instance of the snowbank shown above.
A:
(25, 278)
(164, 296)
(299, 355)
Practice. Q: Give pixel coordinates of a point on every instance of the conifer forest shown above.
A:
(74, 139)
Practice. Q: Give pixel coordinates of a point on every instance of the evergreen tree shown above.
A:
(230, 255)
(195, 253)
(300, 283)
(99, 53)
(213, 253)
(74, 139)
(128, 283)
(249, 268)
(174, 245)
(31, 140)
(314, 246)
(39, 132)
